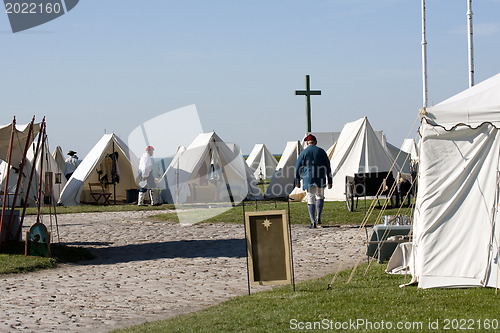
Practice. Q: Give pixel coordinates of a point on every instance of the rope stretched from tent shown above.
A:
(368, 215)
(387, 230)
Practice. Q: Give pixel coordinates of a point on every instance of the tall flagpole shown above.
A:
(471, 46)
(424, 57)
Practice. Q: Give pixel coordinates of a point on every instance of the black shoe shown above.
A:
(312, 226)
(318, 223)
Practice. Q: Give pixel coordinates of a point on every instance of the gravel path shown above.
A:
(147, 271)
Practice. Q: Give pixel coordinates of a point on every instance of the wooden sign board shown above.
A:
(268, 244)
(37, 241)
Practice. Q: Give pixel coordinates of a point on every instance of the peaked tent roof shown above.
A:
(209, 171)
(456, 236)
(261, 162)
(283, 180)
(358, 150)
(471, 107)
(58, 156)
(86, 172)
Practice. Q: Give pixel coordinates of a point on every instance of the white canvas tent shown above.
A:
(77, 188)
(261, 162)
(208, 171)
(456, 237)
(283, 181)
(358, 150)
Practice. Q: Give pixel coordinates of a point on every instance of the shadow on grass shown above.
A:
(231, 248)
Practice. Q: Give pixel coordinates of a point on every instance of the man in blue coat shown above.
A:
(313, 166)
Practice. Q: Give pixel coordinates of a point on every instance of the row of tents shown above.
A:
(211, 170)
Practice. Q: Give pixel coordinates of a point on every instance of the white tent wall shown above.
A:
(170, 177)
(455, 220)
(77, 188)
(456, 239)
(283, 180)
(325, 139)
(358, 150)
(13, 177)
(261, 162)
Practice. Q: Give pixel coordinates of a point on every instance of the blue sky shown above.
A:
(109, 65)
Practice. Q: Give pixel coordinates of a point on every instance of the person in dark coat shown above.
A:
(313, 167)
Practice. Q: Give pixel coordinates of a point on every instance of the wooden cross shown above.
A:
(308, 92)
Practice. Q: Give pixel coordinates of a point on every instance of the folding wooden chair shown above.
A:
(97, 191)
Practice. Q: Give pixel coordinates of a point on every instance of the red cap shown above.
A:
(150, 148)
(310, 137)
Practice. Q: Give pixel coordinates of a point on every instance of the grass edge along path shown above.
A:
(371, 303)
(13, 260)
(334, 213)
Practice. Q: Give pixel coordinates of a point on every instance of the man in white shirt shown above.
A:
(70, 164)
(146, 177)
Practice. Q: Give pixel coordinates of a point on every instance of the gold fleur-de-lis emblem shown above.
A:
(267, 223)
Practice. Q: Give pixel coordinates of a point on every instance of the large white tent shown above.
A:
(208, 171)
(261, 162)
(456, 239)
(283, 180)
(358, 150)
(77, 188)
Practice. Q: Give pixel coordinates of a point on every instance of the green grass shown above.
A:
(95, 209)
(373, 298)
(334, 213)
(13, 260)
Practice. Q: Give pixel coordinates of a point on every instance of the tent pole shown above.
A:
(40, 180)
(113, 173)
(6, 187)
(424, 58)
(246, 244)
(471, 46)
(31, 178)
